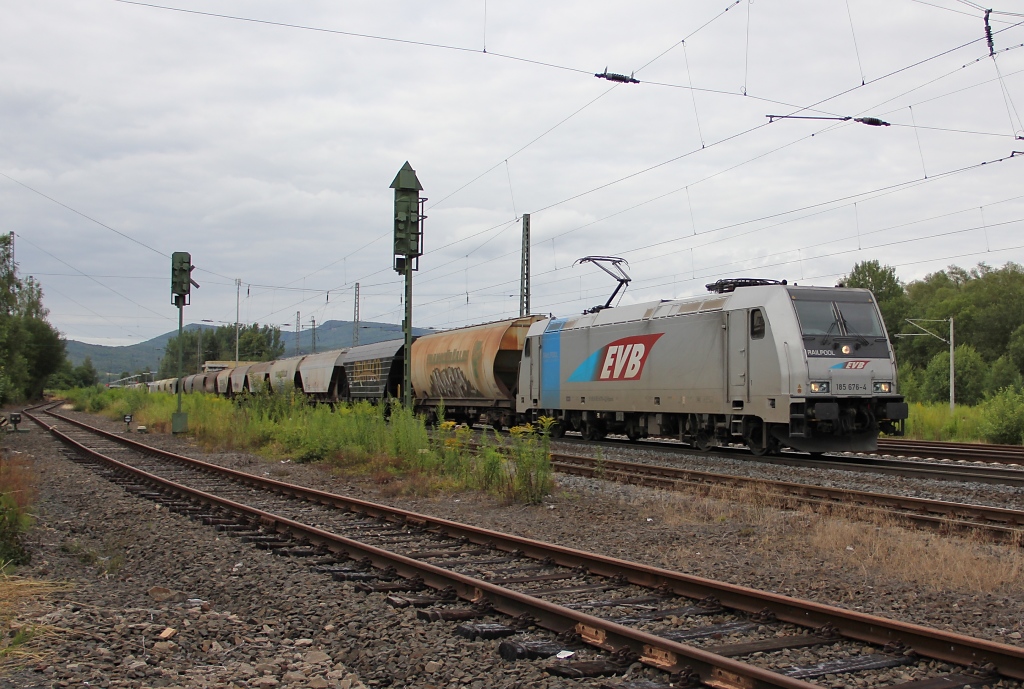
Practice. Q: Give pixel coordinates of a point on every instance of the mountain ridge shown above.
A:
(136, 357)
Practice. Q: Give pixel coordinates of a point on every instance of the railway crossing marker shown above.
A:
(127, 423)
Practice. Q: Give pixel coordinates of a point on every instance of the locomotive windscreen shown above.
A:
(827, 316)
(860, 318)
(837, 318)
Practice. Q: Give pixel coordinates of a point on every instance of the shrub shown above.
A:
(1003, 420)
(933, 421)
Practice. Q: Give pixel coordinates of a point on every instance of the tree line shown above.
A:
(987, 308)
(255, 343)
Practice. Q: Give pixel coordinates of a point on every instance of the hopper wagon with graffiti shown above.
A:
(756, 362)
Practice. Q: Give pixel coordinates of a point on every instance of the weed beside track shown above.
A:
(390, 444)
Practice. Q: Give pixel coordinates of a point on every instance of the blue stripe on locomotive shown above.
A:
(551, 364)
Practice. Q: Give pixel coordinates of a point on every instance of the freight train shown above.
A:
(756, 362)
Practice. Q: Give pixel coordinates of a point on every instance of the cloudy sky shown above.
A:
(262, 137)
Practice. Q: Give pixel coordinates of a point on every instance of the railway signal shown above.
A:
(181, 286)
(408, 220)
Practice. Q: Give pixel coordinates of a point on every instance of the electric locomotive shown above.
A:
(755, 361)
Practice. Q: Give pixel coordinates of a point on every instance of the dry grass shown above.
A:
(22, 598)
(17, 479)
(846, 538)
(938, 562)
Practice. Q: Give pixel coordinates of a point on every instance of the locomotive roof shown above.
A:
(752, 295)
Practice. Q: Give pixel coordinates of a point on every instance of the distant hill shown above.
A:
(136, 357)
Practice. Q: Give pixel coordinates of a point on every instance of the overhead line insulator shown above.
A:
(612, 76)
(873, 121)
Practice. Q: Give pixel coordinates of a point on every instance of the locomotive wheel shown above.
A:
(758, 448)
(755, 447)
(592, 432)
(702, 442)
(557, 430)
(633, 434)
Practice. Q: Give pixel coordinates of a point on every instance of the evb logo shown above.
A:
(851, 364)
(619, 360)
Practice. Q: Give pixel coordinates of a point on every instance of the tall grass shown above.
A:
(388, 443)
(934, 421)
(17, 495)
(999, 419)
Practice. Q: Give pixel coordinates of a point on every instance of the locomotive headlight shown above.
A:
(819, 386)
(846, 349)
(883, 387)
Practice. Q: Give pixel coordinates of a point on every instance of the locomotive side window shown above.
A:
(756, 324)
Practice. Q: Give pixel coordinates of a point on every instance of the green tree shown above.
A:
(86, 374)
(1003, 373)
(30, 348)
(970, 377)
(255, 343)
(1015, 348)
(43, 357)
(910, 383)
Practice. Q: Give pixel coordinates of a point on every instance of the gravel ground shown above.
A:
(231, 615)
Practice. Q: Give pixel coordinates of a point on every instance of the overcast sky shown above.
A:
(267, 151)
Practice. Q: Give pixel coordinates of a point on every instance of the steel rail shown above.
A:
(717, 671)
(858, 463)
(1000, 522)
(971, 452)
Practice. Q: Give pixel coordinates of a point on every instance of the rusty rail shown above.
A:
(662, 653)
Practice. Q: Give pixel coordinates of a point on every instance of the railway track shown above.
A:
(970, 452)
(490, 584)
(998, 523)
(907, 468)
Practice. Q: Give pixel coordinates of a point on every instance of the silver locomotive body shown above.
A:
(767, 365)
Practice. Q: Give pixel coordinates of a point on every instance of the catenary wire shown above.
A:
(104, 286)
(544, 240)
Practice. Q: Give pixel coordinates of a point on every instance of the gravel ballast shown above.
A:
(158, 600)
